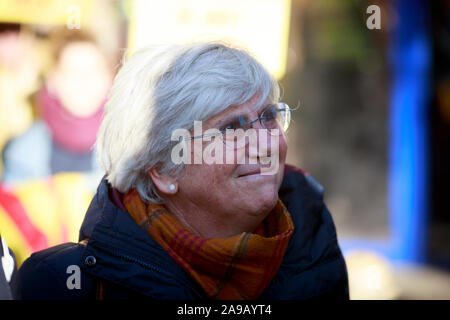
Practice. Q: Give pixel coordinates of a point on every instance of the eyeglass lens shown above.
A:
(275, 116)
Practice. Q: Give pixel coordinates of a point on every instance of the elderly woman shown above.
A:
(229, 221)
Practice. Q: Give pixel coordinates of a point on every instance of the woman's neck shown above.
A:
(207, 224)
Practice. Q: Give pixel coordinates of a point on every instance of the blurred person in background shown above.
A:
(70, 108)
(19, 75)
(50, 171)
(164, 230)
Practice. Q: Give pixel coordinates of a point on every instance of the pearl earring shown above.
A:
(172, 187)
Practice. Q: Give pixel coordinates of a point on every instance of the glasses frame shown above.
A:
(249, 123)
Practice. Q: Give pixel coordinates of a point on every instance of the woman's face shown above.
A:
(221, 200)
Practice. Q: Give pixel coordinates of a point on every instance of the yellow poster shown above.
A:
(261, 26)
(69, 12)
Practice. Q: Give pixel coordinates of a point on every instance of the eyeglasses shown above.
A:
(275, 118)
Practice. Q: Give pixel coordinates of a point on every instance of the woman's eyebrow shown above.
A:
(228, 119)
(263, 107)
(233, 117)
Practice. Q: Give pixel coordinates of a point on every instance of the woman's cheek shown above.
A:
(283, 148)
(282, 158)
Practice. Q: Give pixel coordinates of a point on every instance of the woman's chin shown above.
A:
(263, 202)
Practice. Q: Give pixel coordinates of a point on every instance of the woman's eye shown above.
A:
(269, 114)
(235, 124)
(231, 126)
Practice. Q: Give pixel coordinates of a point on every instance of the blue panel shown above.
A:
(408, 154)
(408, 184)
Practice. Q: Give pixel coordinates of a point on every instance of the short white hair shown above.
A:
(160, 89)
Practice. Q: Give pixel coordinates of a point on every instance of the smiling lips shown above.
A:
(250, 172)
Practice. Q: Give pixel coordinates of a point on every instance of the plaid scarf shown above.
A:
(239, 267)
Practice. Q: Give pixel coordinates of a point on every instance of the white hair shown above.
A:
(160, 89)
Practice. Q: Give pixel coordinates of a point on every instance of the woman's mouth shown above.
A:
(250, 173)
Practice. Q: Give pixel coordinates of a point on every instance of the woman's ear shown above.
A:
(165, 183)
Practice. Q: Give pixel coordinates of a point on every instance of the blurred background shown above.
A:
(371, 79)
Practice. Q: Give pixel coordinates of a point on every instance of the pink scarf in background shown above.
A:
(70, 132)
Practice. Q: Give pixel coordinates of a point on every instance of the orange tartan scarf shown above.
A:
(239, 267)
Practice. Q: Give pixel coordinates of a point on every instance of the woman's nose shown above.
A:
(261, 145)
